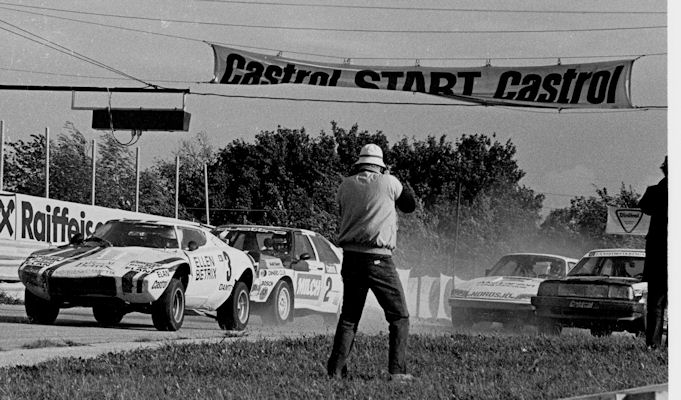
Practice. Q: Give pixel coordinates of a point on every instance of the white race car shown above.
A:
(298, 271)
(504, 294)
(155, 267)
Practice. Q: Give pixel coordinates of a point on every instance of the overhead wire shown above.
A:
(436, 9)
(390, 8)
(356, 30)
(336, 57)
(65, 50)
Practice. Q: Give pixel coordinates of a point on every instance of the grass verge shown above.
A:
(453, 367)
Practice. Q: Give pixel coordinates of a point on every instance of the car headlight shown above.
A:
(459, 293)
(621, 292)
(548, 289)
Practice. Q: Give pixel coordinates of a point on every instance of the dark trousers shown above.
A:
(655, 306)
(362, 272)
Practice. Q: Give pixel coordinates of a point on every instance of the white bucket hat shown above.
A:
(371, 154)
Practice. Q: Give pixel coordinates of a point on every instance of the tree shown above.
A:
(25, 166)
(581, 226)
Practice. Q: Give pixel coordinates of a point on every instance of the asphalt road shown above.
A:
(76, 333)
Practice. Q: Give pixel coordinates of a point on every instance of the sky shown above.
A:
(563, 154)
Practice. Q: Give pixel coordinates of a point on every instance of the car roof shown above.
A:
(616, 253)
(260, 228)
(542, 255)
(164, 222)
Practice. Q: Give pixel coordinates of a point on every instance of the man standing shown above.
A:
(655, 203)
(368, 233)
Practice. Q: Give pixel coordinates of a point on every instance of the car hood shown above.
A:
(601, 279)
(502, 288)
(72, 261)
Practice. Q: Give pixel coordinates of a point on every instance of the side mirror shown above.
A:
(76, 239)
(305, 256)
(192, 245)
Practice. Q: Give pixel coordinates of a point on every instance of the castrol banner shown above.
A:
(587, 85)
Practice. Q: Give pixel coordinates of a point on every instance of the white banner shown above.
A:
(627, 221)
(38, 219)
(587, 85)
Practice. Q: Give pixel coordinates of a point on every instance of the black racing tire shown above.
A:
(167, 313)
(461, 319)
(39, 310)
(279, 308)
(108, 314)
(549, 326)
(234, 313)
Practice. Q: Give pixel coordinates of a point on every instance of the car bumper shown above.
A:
(587, 309)
(86, 290)
(494, 311)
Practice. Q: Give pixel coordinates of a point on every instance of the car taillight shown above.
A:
(621, 292)
(548, 289)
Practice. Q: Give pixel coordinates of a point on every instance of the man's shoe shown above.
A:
(342, 375)
(401, 378)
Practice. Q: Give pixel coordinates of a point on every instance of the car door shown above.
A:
(333, 282)
(308, 273)
(207, 267)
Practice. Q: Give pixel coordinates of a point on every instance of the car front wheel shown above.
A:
(280, 306)
(167, 312)
(38, 310)
(233, 314)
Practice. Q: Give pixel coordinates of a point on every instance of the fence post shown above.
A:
(47, 163)
(94, 170)
(2, 155)
(205, 182)
(137, 179)
(177, 186)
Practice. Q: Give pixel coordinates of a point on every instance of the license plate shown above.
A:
(581, 304)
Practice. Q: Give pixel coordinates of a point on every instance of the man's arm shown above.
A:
(406, 202)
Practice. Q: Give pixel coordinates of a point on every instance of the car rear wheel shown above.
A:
(280, 307)
(461, 318)
(233, 314)
(167, 312)
(38, 310)
(549, 326)
(108, 314)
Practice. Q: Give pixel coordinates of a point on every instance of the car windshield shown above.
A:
(621, 266)
(529, 265)
(275, 243)
(126, 233)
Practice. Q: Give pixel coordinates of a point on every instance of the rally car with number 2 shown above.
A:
(298, 271)
(156, 267)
